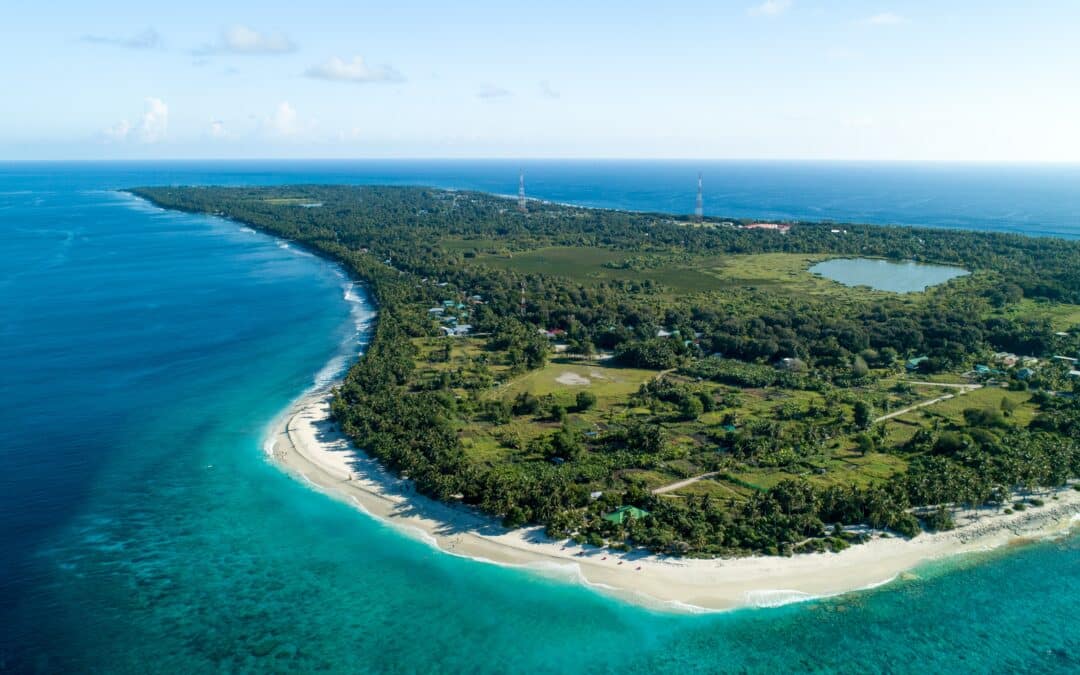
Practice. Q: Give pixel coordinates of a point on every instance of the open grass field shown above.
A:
(775, 272)
(565, 378)
(1062, 316)
(772, 270)
(695, 445)
(987, 397)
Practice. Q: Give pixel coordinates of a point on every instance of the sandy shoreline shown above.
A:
(302, 441)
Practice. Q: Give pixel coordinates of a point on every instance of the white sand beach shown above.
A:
(305, 443)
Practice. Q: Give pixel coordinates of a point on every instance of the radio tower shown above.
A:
(699, 206)
(521, 191)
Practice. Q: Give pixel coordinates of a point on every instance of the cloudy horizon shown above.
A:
(772, 79)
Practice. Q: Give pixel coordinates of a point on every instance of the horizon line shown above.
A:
(417, 158)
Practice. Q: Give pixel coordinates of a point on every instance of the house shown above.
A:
(663, 333)
(448, 304)
(982, 370)
(913, 364)
(621, 514)
(596, 495)
(1074, 373)
(1025, 373)
(436, 311)
(789, 363)
(455, 330)
(1006, 359)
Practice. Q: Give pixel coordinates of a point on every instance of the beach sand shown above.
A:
(304, 442)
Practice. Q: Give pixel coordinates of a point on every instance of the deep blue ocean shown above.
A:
(144, 354)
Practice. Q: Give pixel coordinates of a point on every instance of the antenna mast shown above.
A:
(521, 191)
(699, 206)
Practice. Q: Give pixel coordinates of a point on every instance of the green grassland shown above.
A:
(952, 410)
(1062, 316)
(564, 378)
(774, 272)
(695, 446)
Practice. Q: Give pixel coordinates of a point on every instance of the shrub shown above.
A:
(585, 400)
(691, 408)
(906, 525)
(940, 520)
(526, 404)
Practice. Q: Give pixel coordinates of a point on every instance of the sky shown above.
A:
(954, 80)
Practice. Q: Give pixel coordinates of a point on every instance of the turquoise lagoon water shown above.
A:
(144, 355)
(886, 275)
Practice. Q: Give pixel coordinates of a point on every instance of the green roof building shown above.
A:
(620, 514)
(913, 364)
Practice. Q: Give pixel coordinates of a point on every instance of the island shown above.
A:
(685, 399)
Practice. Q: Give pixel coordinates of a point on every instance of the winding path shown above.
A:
(683, 483)
(963, 389)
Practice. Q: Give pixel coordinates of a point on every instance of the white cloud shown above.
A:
(244, 40)
(770, 8)
(886, 19)
(217, 129)
(338, 70)
(155, 121)
(152, 126)
(284, 121)
(147, 39)
(547, 91)
(119, 131)
(490, 91)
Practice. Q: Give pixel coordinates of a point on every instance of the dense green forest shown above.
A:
(600, 357)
